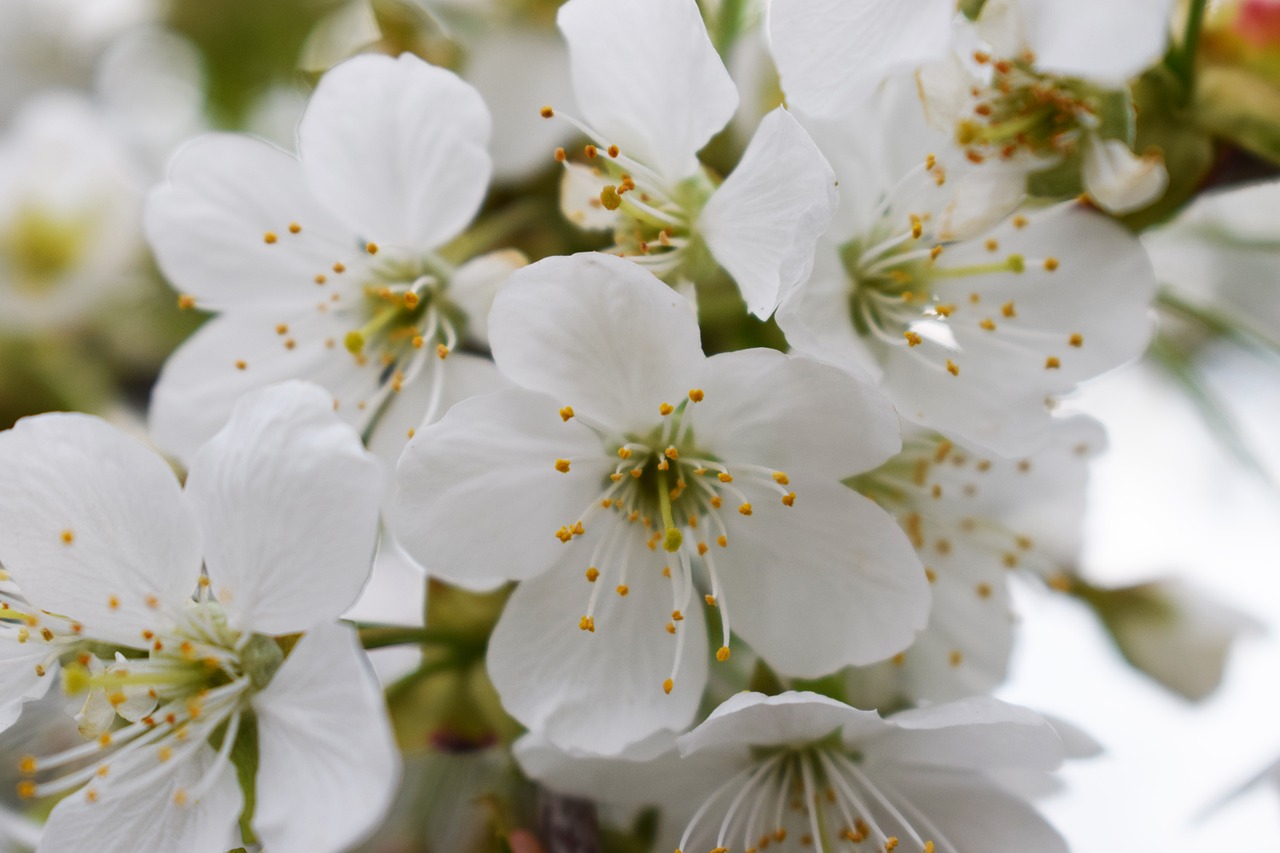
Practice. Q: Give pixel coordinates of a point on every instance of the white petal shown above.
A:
(203, 379)
(74, 477)
(791, 718)
(648, 79)
(826, 583)
(396, 147)
(208, 226)
(598, 333)
(475, 284)
(478, 497)
(1119, 180)
(1098, 40)
(763, 223)
(580, 203)
(328, 766)
(829, 51)
(149, 821)
(19, 682)
(597, 691)
(287, 498)
(980, 733)
(793, 414)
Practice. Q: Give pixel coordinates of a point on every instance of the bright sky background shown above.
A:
(1167, 498)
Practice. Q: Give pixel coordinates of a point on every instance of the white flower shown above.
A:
(628, 455)
(650, 100)
(281, 509)
(970, 328)
(69, 214)
(325, 266)
(806, 772)
(975, 520)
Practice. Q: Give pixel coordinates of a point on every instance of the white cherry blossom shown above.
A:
(650, 101)
(669, 479)
(280, 509)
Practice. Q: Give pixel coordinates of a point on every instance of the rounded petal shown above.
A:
(287, 498)
(478, 496)
(763, 223)
(1098, 40)
(220, 227)
(95, 525)
(475, 284)
(826, 583)
(397, 148)
(1119, 180)
(149, 821)
(793, 718)
(979, 733)
(648, 79)
(829, 52)
(231, 356)
(597, 691)
(599, 333)
(793, 414)
(20, 681)
(328, 765)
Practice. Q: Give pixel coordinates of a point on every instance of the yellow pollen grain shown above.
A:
(546, 112)
(1076, 340)
(68, 537)
(1010, 560)
(745, 508)
(1008, 309)
(953, 368)
(988, 324)
(890, 843)
(724, 477)
(1019, 222)
(666, 409)
(591, 151)
(992, 245)
(667, 686)
(716, 501)
(566, 413)
(1050, 264)
(27, 789)
(371, 248)
(282, 329)
(1052, 363)
(671, 453)
(984, 590)
(442, 351)
(666, 571)
(104, 740)
(789, 499)
(241, 364)
(185, 302)
(269, 237)
(702, 549)
(562, 465)
(928, 847)
(930, 575)
(955, 658)
(622, 589)
(593, 574)
(945, 310)
(113, 602)
(696, 395)
(613, 151)
(722, 654)
(27, 764)
(294, 228)
(560, 155)
(913, 338)
(722, 541)
(781, 478)
(677, 616)
(339, 267)
(670, 628)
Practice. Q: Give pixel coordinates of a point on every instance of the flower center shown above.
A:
(41, 247)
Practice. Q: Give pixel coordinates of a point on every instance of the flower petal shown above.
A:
(220, 227)
(328, 765)
(231, 356)
(1098, 40)
(648, 79)
(1119, 180)
(979, 733)
(763, 222)
(475, 284)
(20, 682)
(597, 691)
(793, 414)
(95, 525)
(826, 583)
(791, 718)
(287, 499)
(149, 821)
(831, 51)
(479, 498)
(599, 333)
(397, 148)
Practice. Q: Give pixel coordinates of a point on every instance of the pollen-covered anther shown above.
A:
(269, 237)
(1052, 363)
(745, 508)
(716, 501)
(953, 368)
(561, 155)
(913, 338)
(722, 541)
(27, 789)
(1008, 309)
(702, 549)
(371, 248)
(113, 602)
(622, 589)
(1076, 340)
(547, 112)
(1050, 264)
(186, 302)
(591, 151)
(722, 654)
(566, 413)
(890, 844)
(724, 477)
(67, 537)
(789, 499)
(587, 623)
(666, 409)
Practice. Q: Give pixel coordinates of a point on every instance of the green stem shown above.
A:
(382, 636)
(494, 229)
(1185, 56)
(729, 25)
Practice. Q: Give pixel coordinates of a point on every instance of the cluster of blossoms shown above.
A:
(719, 515)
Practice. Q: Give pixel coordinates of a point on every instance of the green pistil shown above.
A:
(1013, 263)
(672, 539)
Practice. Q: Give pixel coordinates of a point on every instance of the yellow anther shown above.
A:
(666, 571)
(702, 549)
(616, 477)
(68, 537)
(27, 789)
(955, 658)
(591, 151)
(113, 602)
(186, 303)
(1052, 363)
(104, 740)
(562, 465)
(103, 771)
(354, 342)
(696, 395)
(988, 324)
(992, 244)
(724, 477)
(371, 248)
(27, 764)
(745, 508)
(953, 368)
(339, 267)
(623, 452)
(623, 589)
(789, 499)
(945, 310)
(637, 473)
(890, 843)
(722, 654)
(781, 478)
(561, 156)
(587, 623)
(722, 541)
(930, 575)
(917, 227)
(676, 616)
(930, 161)
(411, 299)
(566, 413)
(666, 409)
(1050, 264)
(928, 847)
(269, 237)
(592, 574)
(667, 685)
(1019, 222)
(710, 600)
(546, 112)
(180, 797)
(984, 590)
(913, 338)
(1076, 340)
(716, 501)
